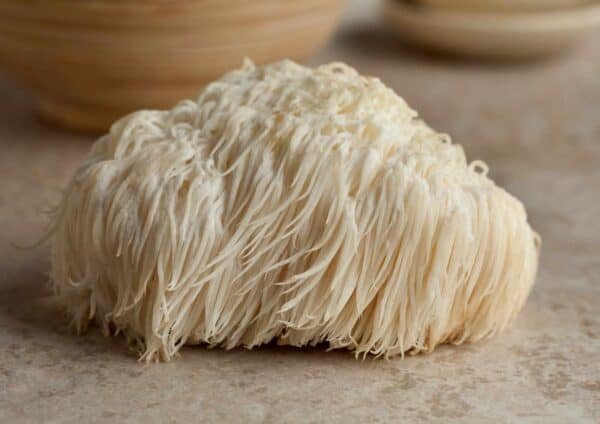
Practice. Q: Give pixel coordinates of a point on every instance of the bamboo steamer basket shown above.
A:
(90, 62)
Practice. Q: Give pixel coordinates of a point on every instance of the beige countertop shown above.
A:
(538, 127)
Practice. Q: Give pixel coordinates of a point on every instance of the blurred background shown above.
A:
(515, 82)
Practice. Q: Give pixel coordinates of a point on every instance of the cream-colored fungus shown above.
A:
(295, 205)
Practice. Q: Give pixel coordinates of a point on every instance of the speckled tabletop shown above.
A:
(536, 124)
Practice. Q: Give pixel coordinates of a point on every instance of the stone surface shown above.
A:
(536, 124)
